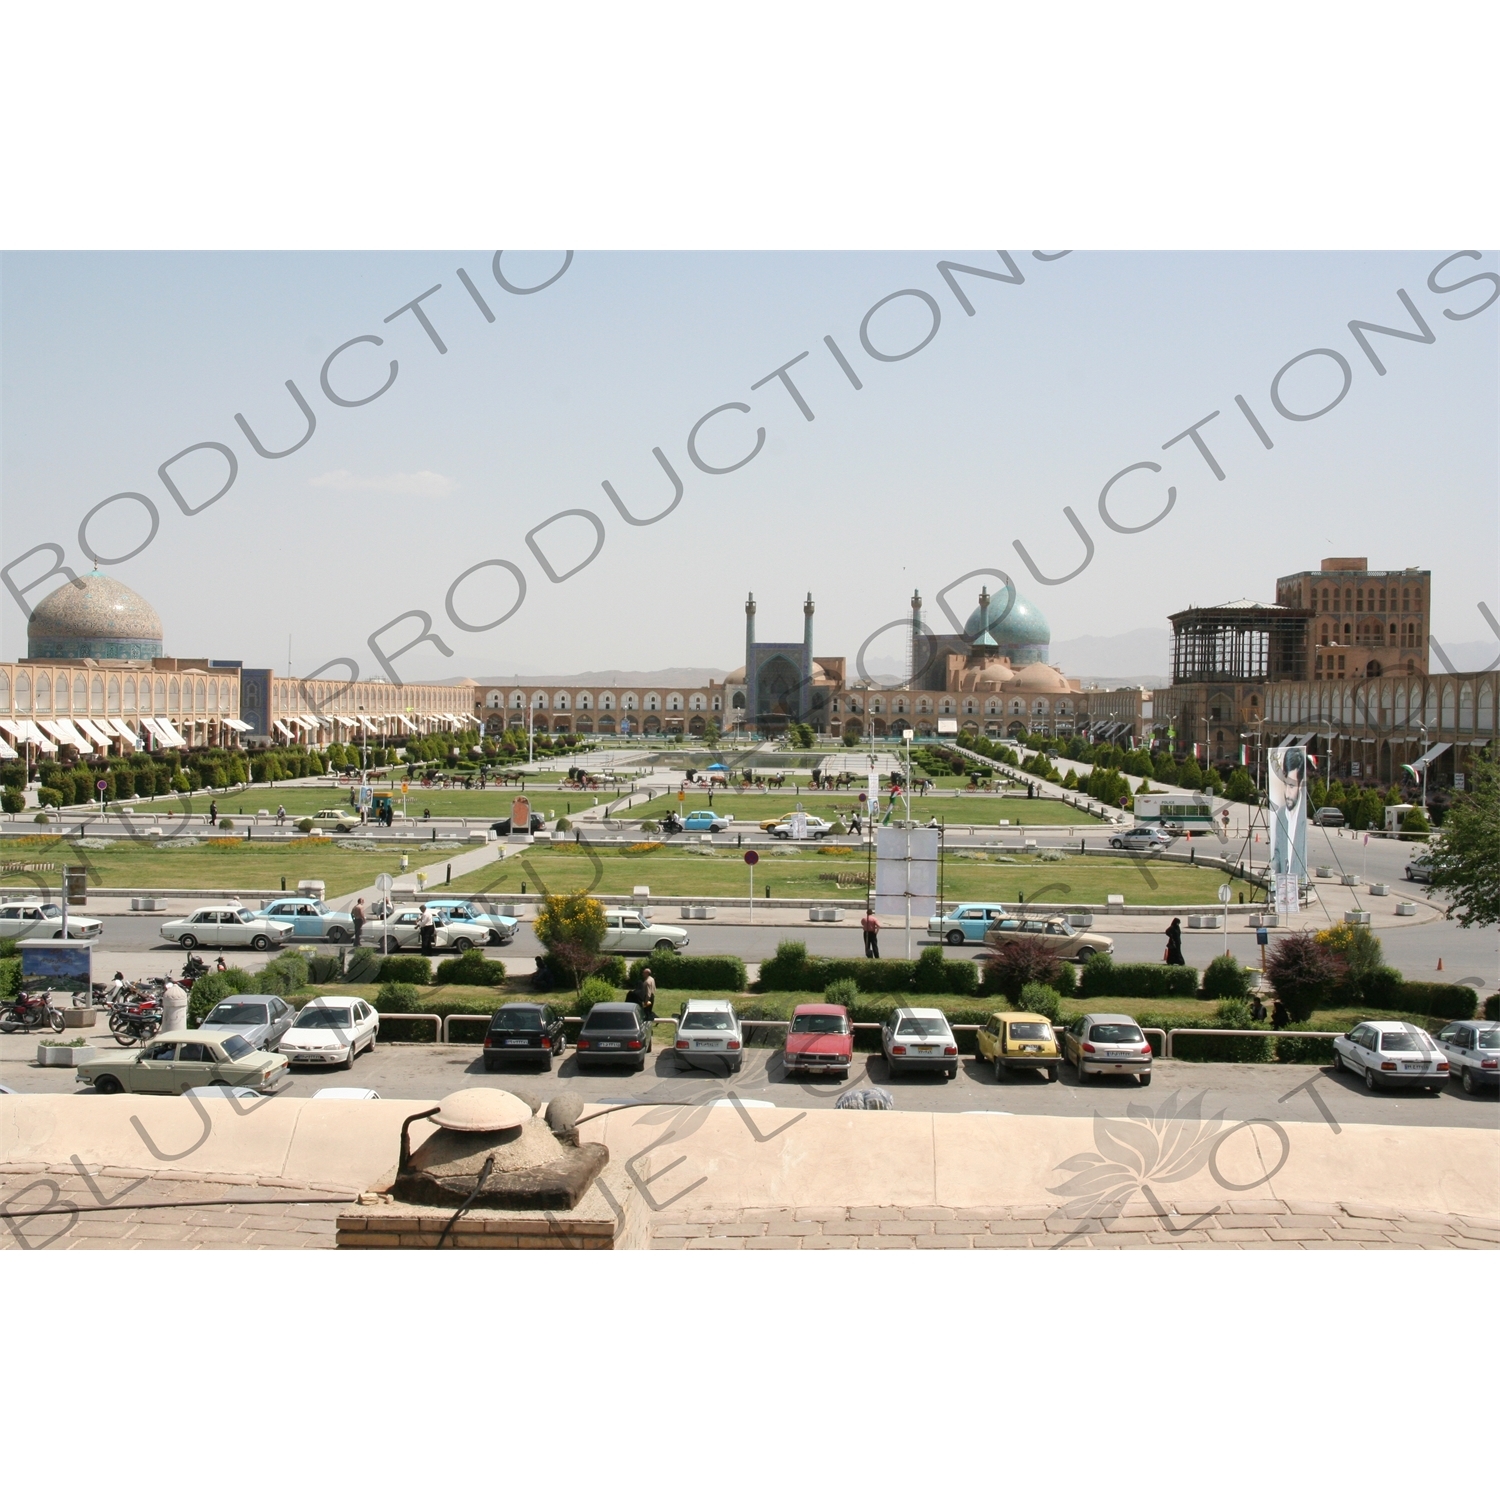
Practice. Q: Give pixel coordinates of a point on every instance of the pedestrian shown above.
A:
(360, 918)
(871, 929)
(1173, 955)
(280, 815)
(427, 930)
(221, 966)
(645, 996)
(213, 814)
(854, 826)
(1258, 1009)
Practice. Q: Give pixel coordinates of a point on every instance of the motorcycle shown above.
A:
(30, 1012)
(135, 1018)
(193, 969)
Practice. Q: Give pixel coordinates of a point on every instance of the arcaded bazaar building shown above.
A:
(96, 679)
(993, 678)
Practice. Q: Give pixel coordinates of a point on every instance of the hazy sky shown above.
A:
(113, 363)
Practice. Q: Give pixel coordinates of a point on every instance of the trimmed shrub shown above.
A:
(49, 796)
(471, 967)
(285, 974)
(208, 989)
(362, 966)
(1041, 999)
(323, 968)
(1316, 1051)
(1226, 979)
(11, 801)
(10, 976)
(552, 974)
(593, 991)
(841, 992)
(395, 996)
(676, 971)
(1025, 961)
(1448, 1002)
(1492, 1008)
(405, 968)
(1103, 976)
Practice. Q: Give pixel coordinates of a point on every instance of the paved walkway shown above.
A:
(1267, 1224)
(274, 1220)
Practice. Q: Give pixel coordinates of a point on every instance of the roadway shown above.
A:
(1241, 1091)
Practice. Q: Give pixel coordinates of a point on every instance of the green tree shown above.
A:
(1239, 787)
(570, 926)
(1466, 855)
(1190, 775)
(1416, 822)
(1304, 974)
(710, 734)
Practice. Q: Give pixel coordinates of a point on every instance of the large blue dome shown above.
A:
(1019, 632)
(94, 617)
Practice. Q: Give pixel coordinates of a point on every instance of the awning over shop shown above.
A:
(239, 724)
(121, 728)
(64, 731)
(282, 730)
(1422, 762)
(94, 732)
(6, 753)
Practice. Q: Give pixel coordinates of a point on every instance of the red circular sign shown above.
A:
(751, 857)
(101, 785)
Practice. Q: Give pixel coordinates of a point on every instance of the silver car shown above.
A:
(404, 930)
(1151, 840)
(1102, 1043)
(1473, 1052)
(261, 1019)
(708, 1032)
(43, 919)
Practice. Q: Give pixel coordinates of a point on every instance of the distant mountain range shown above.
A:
(1133, 657)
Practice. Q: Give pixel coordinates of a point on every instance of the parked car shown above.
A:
(1473, 1052)
(1419, 869)
(501, 929)
(966, 923)
(630, 932)
(43, 919)
(403, 930)
(1057, 934)
(345, 1094)
(614, 1032)
(332, 1030)
(309, 918)
(502, 825)
(524, 1031)
(1329, 817)
(1107, 1044)
(914, 1037)
(819, 1040)
(333, 819)
(1151, 840)
(705, 822)
(221, 1091)
(226, 927)
(1389, 1054)
(1018, 1039)
(817, 828)
(176, 1061)
(261, 1019)
(708, 1030)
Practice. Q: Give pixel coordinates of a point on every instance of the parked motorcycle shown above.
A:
(193, 969)
(135, 1018)
(30, 1012)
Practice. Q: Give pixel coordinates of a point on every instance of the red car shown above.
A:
(820, 1040)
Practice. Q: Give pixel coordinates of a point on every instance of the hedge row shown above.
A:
(676, 971)
(932, 974)
(1103, 976)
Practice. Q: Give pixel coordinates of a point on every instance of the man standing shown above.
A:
(871, 927)
(360, 917)
(213, 814)
(280, 814)
(427, 931)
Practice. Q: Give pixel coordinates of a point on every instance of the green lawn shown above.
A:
(493, 802)
(793, 874)
(982, 808)
(224, 866)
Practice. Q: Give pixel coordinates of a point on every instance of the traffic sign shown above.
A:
(751, 857)
(101, 785)
(385, 883)
(1224, 894)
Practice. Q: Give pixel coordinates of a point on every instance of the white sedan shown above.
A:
(453, 935)
(34, 919)
(812, 827)
(1391, 1053)
(1473, 1052)
(226, 927)
(332, 1030)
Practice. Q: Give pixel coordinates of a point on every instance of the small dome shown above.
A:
(481, 1109)
(94, 616)
(1039, 675)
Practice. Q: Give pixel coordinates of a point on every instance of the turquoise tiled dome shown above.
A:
(95, 616)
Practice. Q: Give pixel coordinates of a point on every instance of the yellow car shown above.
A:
(1013, 1039)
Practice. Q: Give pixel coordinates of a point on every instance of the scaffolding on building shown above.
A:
(1240, 642)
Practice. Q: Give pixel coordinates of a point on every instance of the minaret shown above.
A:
(750, 698)
(804, 690)
(914, 647)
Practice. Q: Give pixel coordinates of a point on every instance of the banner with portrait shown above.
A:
(1287, 784)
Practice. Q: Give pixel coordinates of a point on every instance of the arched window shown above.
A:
(560, 700)
(698, 701)
(738, 701)
(1039, 707)
(114, 695)
(606, 700)
(628, 700)
(174, 697)
(585, 700)
(23, 691)
(877, 706)
(494, 700)
(538, 700)
(653, 701)
(128, 701)
(4, 692)
(44, 692)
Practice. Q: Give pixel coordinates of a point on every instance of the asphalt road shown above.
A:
(1242, 1092)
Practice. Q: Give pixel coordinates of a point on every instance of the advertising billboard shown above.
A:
(906, 870)
(1287, 806)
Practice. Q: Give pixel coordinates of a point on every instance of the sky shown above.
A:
(111, 363)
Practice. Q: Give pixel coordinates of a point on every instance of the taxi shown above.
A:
(1013, 1039)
